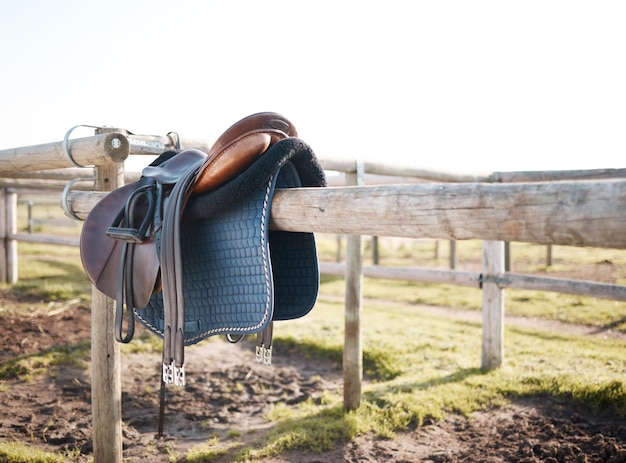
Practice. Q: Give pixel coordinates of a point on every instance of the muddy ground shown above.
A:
(52, 411)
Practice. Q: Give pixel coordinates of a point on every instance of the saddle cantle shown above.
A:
(187, 249)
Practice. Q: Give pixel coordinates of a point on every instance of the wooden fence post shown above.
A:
(493, 305)
(549, 255)
(453, 258)
(106, 382)
(353, 349)
(338, 254)
(11, 229)
(375, 256)
(507, 256)
(3, 236)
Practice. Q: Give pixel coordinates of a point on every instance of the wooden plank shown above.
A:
(564, 286)
(65, 174)
(57, 240)
(454, 176)
(473, 280)
(565, 213)
(23, 184)
(557, 175)
(36, 181)
(95, 150)
(493, 306)
(430, 275)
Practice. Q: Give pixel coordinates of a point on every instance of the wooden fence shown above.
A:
(575, 208)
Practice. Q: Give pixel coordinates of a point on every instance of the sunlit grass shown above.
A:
(50, 273)
(421, 367)
(16, 452)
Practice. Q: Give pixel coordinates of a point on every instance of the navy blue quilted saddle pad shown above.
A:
(238, 275)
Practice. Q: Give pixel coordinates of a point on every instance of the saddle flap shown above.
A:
(100, 254)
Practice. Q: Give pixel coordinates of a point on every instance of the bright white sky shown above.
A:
(462, 85)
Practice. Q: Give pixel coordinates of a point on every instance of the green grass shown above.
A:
(421, 367)
(25, 367)
(51, 272)
(16, 452)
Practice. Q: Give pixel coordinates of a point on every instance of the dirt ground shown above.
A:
(53, 411)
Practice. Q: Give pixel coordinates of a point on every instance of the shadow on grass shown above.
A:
(44, 361)
(378, 365)
(616, 325)
(67, 281)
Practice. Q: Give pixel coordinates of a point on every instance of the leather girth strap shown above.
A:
(171, 277)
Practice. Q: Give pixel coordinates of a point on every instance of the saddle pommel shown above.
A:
(239, 147)
(226, 164)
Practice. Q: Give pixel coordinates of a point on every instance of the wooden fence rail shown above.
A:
(578, 213)
(570, 211)
(476, 279)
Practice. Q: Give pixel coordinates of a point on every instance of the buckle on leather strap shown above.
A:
(264, 355)
(173, 374)
(168, 373)
(179, 375)
(264, 345)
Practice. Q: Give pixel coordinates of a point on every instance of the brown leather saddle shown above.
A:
(187, 249)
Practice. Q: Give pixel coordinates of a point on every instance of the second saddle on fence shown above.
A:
(188, 251)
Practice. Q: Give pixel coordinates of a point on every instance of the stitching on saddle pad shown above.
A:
(147, 323)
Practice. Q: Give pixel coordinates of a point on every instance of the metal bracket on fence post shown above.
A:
(64, 195)
(66, 143)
